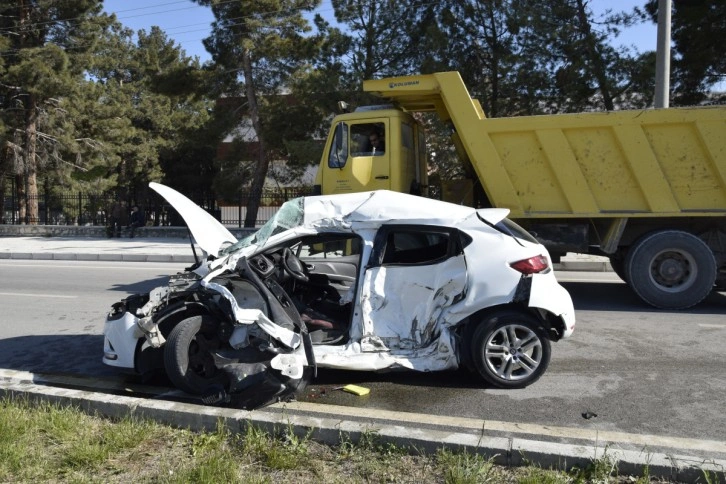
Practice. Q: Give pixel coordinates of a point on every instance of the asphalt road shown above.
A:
(639, 370)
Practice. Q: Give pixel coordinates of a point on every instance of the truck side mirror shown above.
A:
(339, 147)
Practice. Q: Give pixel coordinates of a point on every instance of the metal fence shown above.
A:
(94, 209)
(233, 212)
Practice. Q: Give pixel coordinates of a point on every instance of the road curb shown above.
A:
(98, 257)
(329, 424)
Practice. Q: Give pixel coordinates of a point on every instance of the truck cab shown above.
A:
(374, 148)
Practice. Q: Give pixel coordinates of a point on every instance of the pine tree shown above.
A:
(698, 27)
(46, 42)
(525, 57)
(478, 39)
(257, 45)
(383, 37)
(142, 108)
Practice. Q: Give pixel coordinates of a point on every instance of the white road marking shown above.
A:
(121, 265)
(21, 294)
(717, 326)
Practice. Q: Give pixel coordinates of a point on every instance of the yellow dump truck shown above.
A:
(647, 188)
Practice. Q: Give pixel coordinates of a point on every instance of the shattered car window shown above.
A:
(415, 247)
(289, 216)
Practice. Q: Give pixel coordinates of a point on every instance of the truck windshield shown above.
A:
(289, 216)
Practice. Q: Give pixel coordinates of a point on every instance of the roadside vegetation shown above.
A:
(42, 442)
(88, 104)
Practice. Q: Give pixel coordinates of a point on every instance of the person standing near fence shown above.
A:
(117, 219)
(136, 220)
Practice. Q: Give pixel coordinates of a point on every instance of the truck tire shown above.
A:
(671, 269)
(510, 349)
(188, 355)
(617, 262)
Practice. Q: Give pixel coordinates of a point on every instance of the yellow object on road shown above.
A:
(356, 390)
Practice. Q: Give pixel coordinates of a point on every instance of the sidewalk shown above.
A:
(168, 249)
(138, 249)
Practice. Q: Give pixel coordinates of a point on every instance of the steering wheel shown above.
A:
(294, 266)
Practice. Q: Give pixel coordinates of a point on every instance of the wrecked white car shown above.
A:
(364, 281)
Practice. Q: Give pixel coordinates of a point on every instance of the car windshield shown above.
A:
(289, 216)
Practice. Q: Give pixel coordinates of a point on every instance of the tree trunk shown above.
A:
(4, 163)
(260, 173)
(370, 45)
(598, 66)
(496, 51)
(2, 198)
(28, 185)
(20, 197)
(31, 161)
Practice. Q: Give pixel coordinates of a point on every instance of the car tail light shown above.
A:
(533, 265)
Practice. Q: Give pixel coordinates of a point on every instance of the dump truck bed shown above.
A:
(664, 162)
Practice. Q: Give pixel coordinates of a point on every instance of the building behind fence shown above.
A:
(78, 208)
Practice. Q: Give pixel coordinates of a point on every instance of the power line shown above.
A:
(288, 12)
(148, 7)
(83, 17)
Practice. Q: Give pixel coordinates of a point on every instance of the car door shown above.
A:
(414, 274)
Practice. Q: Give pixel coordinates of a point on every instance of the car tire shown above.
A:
(510, 349)
(188, 355)
(671, 269)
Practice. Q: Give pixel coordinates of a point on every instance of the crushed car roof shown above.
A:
(383, 206)
(362, 209)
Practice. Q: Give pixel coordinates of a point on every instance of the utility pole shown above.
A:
(663, 55)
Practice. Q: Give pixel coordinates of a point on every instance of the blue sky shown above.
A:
(188, 23)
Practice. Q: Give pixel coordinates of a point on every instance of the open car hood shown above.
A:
(206, 230)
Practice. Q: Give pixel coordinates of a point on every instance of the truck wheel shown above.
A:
(188, 355)
(617, 262)
(671, 269)
(510, 349)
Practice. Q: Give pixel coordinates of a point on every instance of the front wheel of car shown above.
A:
(188, 355)
(510, 349)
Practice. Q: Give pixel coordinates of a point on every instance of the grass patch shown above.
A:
(599, 470)
(466, 468)
(41, 442)
(537, 475)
